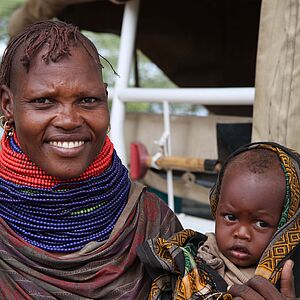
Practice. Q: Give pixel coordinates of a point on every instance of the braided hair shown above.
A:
(58, 35)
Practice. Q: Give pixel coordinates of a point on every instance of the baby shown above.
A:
(247, 205)
(255, 203)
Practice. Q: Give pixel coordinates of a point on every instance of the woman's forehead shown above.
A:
(77, 57)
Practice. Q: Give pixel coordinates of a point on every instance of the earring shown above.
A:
(7, 126)
(2, 121)
(108, 129)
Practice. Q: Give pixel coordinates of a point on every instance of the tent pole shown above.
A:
(127, 42)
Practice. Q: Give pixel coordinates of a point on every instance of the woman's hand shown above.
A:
(287, 283)
(259, 288)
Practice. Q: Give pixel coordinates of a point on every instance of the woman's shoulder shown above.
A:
(141, 194)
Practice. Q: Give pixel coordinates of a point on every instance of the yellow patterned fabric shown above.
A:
(176, 273)
(287, 238)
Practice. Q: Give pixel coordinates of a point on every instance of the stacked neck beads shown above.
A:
(56, 215)
(18, 168)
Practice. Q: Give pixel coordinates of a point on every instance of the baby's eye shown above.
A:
(42, 100)
(88, 100)
(262, 224)
(230, 217)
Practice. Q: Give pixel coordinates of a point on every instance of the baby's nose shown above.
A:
(242, 232)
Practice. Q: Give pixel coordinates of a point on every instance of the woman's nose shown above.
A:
(242, 232)
(68, 118)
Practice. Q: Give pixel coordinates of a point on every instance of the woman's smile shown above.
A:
(67, 148)
(66, 144)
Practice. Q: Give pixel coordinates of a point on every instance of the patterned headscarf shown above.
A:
(287, 237)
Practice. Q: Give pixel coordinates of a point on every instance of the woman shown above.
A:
(71, 219)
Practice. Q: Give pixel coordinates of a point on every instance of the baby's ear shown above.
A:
(7, 102)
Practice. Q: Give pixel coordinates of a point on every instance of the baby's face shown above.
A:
(248, 213)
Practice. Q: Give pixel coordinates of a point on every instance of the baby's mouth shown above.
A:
(239, 252)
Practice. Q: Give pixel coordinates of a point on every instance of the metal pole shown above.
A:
(127, 42)
(168, 152)
(204, 96)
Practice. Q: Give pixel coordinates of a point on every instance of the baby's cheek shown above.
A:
(221, 240)
(260, 245)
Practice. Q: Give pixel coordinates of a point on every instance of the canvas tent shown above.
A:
(195, 43)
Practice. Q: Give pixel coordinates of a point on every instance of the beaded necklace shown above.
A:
(61, 215)
(18, 168)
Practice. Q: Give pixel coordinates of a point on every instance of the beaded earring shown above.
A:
(2, 121)
(7, 126)
(8, 129)
(108, 129)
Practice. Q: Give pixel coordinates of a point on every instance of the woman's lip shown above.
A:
(71, 137)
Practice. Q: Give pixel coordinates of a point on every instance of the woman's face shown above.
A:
(60, 112)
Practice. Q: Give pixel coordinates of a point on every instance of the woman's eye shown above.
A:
(42, 101)
(262, 224)
(230, 217)
(88, 100)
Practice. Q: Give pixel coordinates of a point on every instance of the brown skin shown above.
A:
(260, 288)
(248, 213)
(59, 102)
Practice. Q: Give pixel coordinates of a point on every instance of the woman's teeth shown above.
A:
(67, 145)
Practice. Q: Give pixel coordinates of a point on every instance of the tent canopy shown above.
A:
(196, 43)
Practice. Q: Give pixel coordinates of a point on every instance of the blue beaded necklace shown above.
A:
(69, 215)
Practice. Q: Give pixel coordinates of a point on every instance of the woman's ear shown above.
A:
(106, 91)
(7, 103)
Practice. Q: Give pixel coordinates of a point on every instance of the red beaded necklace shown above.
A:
(19, 169)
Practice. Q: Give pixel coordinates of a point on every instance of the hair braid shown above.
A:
(60, 36)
